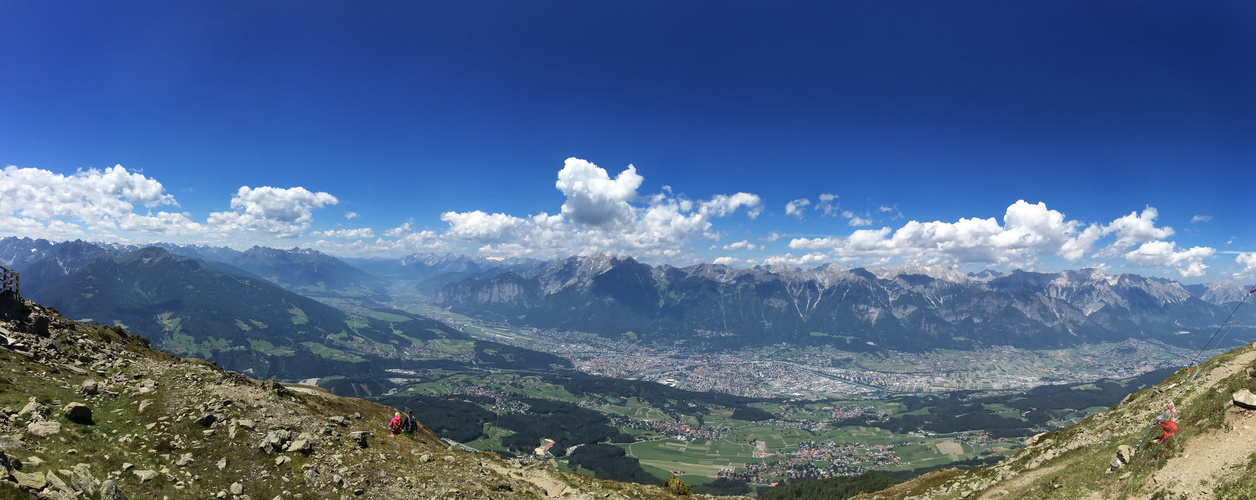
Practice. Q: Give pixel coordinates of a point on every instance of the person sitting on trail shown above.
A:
(394, 426)
(1168, 422)
(409, 424)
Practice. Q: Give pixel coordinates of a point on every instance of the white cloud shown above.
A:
(593, 198)
(855, 220)
(1188, 263)
(364, 232)
(1028, 233)
(827, 204)
(1248, 261)
(743, 245)
(281, 212)
(772, 237)
(399, 231)
(423, 240)
(1201, 218)
(1131, 230)
(887, 209)
(660, 226)
(722, 205)
(809, 260)
(351, 215)
(45, 204)
(795, 207)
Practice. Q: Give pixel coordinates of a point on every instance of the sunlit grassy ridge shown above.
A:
(1210, 457)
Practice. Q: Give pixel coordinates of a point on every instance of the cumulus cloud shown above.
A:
(1132, 230)
(772, 237)
(743, 245)
(1188, 263)
(351, 215)
(593, 198)
(1248, 261)
(795, 207)
(1028, 233)
(1201, 218)
(282, 212)
(52, 205)
(600, 215)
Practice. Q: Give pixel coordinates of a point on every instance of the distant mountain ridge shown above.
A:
(901, 308)
(302, 270)
(243, 321)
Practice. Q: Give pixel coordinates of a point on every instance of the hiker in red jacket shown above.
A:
(395, 425)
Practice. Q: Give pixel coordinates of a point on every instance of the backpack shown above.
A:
(410, 424)
(395, 426)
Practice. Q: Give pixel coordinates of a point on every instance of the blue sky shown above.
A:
(1037, 135)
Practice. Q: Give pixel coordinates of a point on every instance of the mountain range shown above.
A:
(215, 310)
(901, 308)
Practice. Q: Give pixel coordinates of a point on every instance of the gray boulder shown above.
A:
(78, 413)
(44, 428)
(34, 481)
(89, 388)
(1245, 399)
(145, 475)
(274, 440)
(1124, 454)
(299, 446)
(110, 491)
(35, 410)
(82, 479)
(359, 437)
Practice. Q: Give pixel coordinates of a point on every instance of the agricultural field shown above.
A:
(709, 444)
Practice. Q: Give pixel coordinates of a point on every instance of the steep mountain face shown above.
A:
(95, 412)
(900, 308)
(41, 262)
(191, 307)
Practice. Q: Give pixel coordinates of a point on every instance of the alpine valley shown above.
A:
(730, 379)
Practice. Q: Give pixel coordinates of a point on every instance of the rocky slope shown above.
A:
(88, 411)
(1213, 456)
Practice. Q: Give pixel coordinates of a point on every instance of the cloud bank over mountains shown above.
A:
(603, 213)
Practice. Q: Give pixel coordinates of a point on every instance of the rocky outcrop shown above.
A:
(1245, 399)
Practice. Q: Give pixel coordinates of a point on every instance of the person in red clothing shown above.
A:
(1168, 422)
(395, 425)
